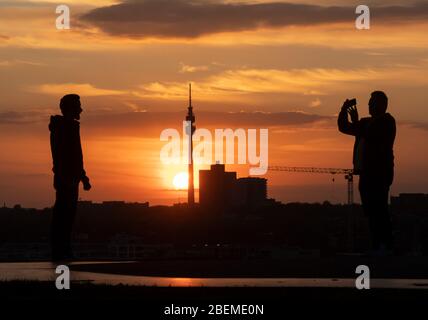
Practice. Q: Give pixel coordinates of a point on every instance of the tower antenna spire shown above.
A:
(190, 94)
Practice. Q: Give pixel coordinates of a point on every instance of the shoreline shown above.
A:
(344, 267)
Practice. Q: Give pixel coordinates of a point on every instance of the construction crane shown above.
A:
(348, 173)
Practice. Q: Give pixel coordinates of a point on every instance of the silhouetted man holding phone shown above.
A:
(68, 173)
(374, 162)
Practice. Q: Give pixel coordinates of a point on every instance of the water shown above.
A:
(45, 271)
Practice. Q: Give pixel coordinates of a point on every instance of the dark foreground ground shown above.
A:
(151, 302)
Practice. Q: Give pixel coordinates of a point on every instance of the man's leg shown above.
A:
(374, 197)
(72, 198)
(375, 229)
(63, 215)
(368, 201)
(57, 226)
(384, 215)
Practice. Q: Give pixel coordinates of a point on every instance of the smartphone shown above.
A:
(353, 102)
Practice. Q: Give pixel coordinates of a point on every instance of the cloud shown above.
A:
(418, 125)
(192, 19)
(150, 123)
(11, 63)
(83, 89)
(184, 68)
(27, 117)
(235, 83)
(315, 103)
(49, 3)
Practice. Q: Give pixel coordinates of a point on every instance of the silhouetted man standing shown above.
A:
(374, 162)
(68, 173)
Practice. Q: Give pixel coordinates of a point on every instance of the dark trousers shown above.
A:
(64, 213)
(374, 197)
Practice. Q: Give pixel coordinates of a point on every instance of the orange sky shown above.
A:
(132, 75)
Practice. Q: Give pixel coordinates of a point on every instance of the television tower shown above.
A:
(191, 120)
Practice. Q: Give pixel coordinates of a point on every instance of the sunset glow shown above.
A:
(181, 181)
(283, 69)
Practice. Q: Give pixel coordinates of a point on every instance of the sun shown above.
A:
(181, 181)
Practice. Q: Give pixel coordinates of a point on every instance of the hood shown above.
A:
(55, 122)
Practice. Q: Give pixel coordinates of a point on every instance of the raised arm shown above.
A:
(343, 123)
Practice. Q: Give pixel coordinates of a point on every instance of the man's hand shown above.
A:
(353, 112)
(86, 185)
(349, 103)
(350, 107)
(346, 105)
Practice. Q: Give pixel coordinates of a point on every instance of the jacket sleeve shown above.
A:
(345, 126)
(55, 146)
(82, 173)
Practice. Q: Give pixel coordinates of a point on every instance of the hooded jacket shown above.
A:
(66, 151)
(373, 149)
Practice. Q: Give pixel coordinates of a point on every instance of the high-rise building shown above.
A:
(219, 188)
(216, 186)
(410, 203)
(251, 191)
(190, 118)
